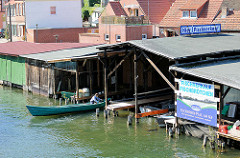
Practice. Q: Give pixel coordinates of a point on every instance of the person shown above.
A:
(95, 99)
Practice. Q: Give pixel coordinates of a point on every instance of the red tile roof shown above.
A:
(230, 22)
(173, 18)
(117, 9)
(193, 4)
(22, 48)
(157, 9)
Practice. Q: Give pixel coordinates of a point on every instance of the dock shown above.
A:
(131, 104)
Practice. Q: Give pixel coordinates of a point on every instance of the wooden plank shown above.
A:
(131, 104)
(228, 136)
(155, 112)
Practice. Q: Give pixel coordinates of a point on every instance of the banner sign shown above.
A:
(196, 102)
(198, 29)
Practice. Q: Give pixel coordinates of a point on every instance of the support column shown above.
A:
(77, 85)
(175, 101)
(105, 79)
(135, 85)
(220, 104)
(116, 78)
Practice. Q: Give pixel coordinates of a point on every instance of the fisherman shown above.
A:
(95, 99)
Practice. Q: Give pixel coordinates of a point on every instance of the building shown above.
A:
(188, 12)
(95, 16)
(45, 21)
(2, 13)
(229, 16)
(40, 68)
(16, 19)
(128, 20)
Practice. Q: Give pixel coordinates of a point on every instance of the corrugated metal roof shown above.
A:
(22, 48)
(182, 47)
(63, 55)
(225, 72)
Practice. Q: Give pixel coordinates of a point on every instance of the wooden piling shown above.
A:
(60, 101)
(129, 121)
(97, 112)
(135, 85)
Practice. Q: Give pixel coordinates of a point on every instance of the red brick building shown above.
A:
(188, 12)
(128, 20)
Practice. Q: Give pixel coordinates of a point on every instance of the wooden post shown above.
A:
(175, 102)
(98, 73)
(91, 76)
(116, 78)
(105, 78)
(77, 86)
(220, 103)
(135, 85)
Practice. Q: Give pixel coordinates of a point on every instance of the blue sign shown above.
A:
(196, 102)
(198, 29)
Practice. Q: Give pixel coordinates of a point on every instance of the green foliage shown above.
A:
(88, 8)
(93, 2)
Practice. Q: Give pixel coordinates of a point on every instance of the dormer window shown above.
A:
(193, 8)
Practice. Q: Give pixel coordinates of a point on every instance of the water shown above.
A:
(85, 135)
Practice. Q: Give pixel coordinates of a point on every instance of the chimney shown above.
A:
(224, 12)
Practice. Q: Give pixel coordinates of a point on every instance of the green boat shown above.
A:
(55, 110)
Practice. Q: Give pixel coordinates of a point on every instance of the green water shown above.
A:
(85, 135)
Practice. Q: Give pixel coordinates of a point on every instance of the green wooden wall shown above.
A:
(12, 69)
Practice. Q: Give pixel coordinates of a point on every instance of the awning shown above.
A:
(225, 72)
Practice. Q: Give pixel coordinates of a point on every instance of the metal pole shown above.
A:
(10, 22)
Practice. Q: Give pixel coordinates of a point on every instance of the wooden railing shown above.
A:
(132, 20)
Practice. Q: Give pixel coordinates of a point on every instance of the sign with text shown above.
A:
(196, 102)
(198, 29)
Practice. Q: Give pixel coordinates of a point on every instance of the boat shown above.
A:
(55, 110)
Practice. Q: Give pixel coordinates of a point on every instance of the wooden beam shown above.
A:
(159, 72)
(98, 73)
(77, 86)
(135, 84)
(105, 79)
(220, 104)
(119, 53)
(119, 64)
(84, 63)
(225, 94)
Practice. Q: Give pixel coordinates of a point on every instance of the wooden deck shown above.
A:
(131, 104)
(219, 134)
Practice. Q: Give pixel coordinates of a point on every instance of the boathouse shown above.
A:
(159, 54)
(40, 68)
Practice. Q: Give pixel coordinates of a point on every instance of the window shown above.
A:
(19, 9)
(53, 9)
(144, 36)
(118, 37)
(23, 9)
(193, 14)
(136, 12)
(107, 37)
(185, 14)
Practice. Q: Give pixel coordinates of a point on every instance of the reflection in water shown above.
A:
(85, 135)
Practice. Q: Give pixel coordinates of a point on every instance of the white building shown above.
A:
(95, 15)
(53, 14)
